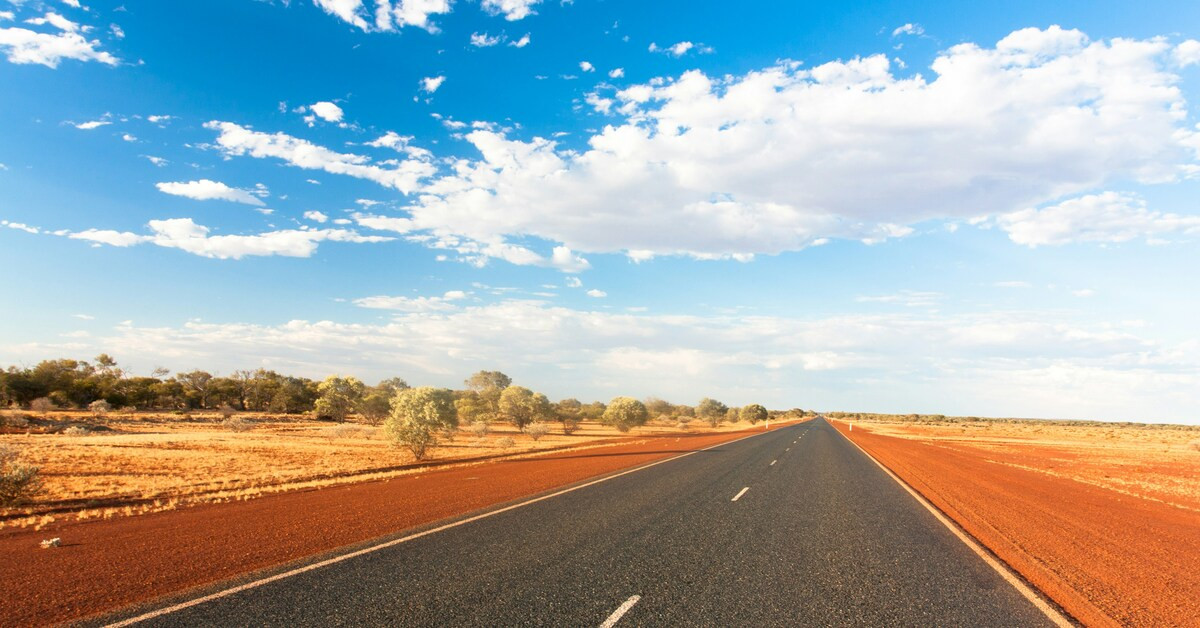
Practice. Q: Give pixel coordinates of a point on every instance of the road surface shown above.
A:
(791, 527)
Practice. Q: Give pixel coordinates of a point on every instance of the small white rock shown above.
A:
(54, 542)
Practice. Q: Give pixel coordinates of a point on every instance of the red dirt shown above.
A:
(1105, 557)
(106, 565)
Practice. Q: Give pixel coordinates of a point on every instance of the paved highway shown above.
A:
(791, 527)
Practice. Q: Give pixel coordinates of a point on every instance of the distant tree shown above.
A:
(521, 406)
(472, 408)
(338, 397)
(711, 410)
(419, 416)
(392, 385)
(625, 413)
(537, 430)
(195, 387)
(483, 380)
(375, 406)
(732, 415)
(754, 413)
(568, 412)
(657, 407)
(41, 405)
(593, 411)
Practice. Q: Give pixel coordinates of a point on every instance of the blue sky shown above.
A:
(898, 207)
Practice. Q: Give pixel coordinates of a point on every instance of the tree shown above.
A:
(625, 413)
(568, 412)
(593, 411)
(472, 408)
(732, 415)
(338, 397)
(657, 407)
(375, 406)
(392, 385)
(419, 416)
(522, 406)
(195, 387)
(711, 410)
(489, 385)
(754, 413)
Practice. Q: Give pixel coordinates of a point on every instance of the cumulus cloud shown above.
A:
(413, 304)
(586, 66)
(511, 9)
(186, 235)
(1106, 217)
(386, 15)
(520, 43)
(598, 294)
(679, 49)
(1187, 53)
(1011, 363)
(206, 189)
(327, 111)
(315, 216)
(616, 73)
(21, 45)
(786, 157)
(430, 84)
(237, 140)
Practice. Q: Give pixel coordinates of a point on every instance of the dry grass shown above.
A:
(1150, 462)
(128, 464)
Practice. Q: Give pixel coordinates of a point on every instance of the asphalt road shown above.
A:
(819, 535)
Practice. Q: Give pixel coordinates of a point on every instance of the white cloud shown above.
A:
(520, 43)
(400, 143)
(158, 119)
(20, 226)
(431, 84)
(616, 73)
(1187, 53)
(573, 282)
(22, 45)
(158, 161)
(72, 3)
(512, 9)
(786, 157)
(7, 15)
(92, 124)
(116, 31)
(85, 317)
(908, 29)
(586, 66)
(599, 294)
(483, 40)
(443, 303)
(679, 49)
(387, 15)
(237, 140)
(186, 235)
(1106, 217)
(315, 216)
(206, 190)
(1011, 363)
(327, 111)
(1084, 293)
(128, 138)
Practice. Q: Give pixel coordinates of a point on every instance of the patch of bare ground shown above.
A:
(1102, 518)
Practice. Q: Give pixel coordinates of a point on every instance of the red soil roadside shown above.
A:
(1107, 558)
(109, 564)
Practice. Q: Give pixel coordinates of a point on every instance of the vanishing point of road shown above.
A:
(794, 526)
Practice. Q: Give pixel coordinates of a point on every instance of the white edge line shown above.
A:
(1004, 570)
(620, 612)
(375, 548)
(740, 493)
(773, 463)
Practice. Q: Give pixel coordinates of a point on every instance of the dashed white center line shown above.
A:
(620, 612)
(773, 462)
(740, 493)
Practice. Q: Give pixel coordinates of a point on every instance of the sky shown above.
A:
(959, 208)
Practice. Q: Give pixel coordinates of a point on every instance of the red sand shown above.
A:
(106, 565)
(1105, 557)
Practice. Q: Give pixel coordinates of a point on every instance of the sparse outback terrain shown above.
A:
(132, 463)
